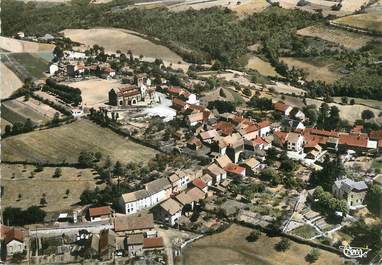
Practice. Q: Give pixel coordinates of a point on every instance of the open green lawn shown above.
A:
(65, 143)
(305, 231)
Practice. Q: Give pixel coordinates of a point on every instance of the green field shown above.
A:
(65, 143)
(26, 65)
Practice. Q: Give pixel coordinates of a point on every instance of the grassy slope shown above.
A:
(31, 189)
(231, 247)
(66, 142)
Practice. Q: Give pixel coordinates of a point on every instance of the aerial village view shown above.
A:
(191, 132)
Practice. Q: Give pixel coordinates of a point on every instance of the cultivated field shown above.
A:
(371, 21)
(350, 40)
(316, 70)
(250, 7)
(261, 66)
(94, 92)
(65, 143)
(231, 247)
(113, 39)
(18, 110)
(26, 65)
(351, 5)
(9, 82)
(14, 45)
(16, 179)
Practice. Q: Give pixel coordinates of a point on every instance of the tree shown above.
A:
(118, 169)
(331, 170)
(39, 168)
(86, 159)
(67, 192)
(247, 92)
(19, 197)
(57, 173)
(28, 125)
(98, 155)
(283, 245)
(260, 103)
(7, 129)
(34, 215)
(373, 200)
(312, 256)
(221, 106)
(56, 119)
(43, 201)
(254, 235)
(222, 93)
(352, 101)
(287, 165)
(367, 114)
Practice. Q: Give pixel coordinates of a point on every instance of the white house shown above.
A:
(13, 239)
(100, 213)
(353, 192)
(217, 173)
(168, 211)
(53, 68)
(154, 193)
(77, 112)
(179, 181)
(265, 128)
(294, 142)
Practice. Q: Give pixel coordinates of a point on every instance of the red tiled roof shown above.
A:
(281, 136)
(234, 169)
(280, 106)
(357, 129)
(177, 102)
(174, 90)
(199, 183)
(99, 211)
(321, 132)
(14, 234)
(153, 242)
(353, 140)
(3, 231)
(127, 91)
(258, 140)
(194, 140)
(263, 124)
(376, 135)
(225, 127)
(250, 128)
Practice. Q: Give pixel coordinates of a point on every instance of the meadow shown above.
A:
(231, 247)
(64, 144)
(17, 179)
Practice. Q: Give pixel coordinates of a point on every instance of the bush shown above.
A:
(254, 235)
(312, 256)
(283, 245)
(18, 217)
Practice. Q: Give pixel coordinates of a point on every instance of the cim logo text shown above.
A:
(354, 252)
